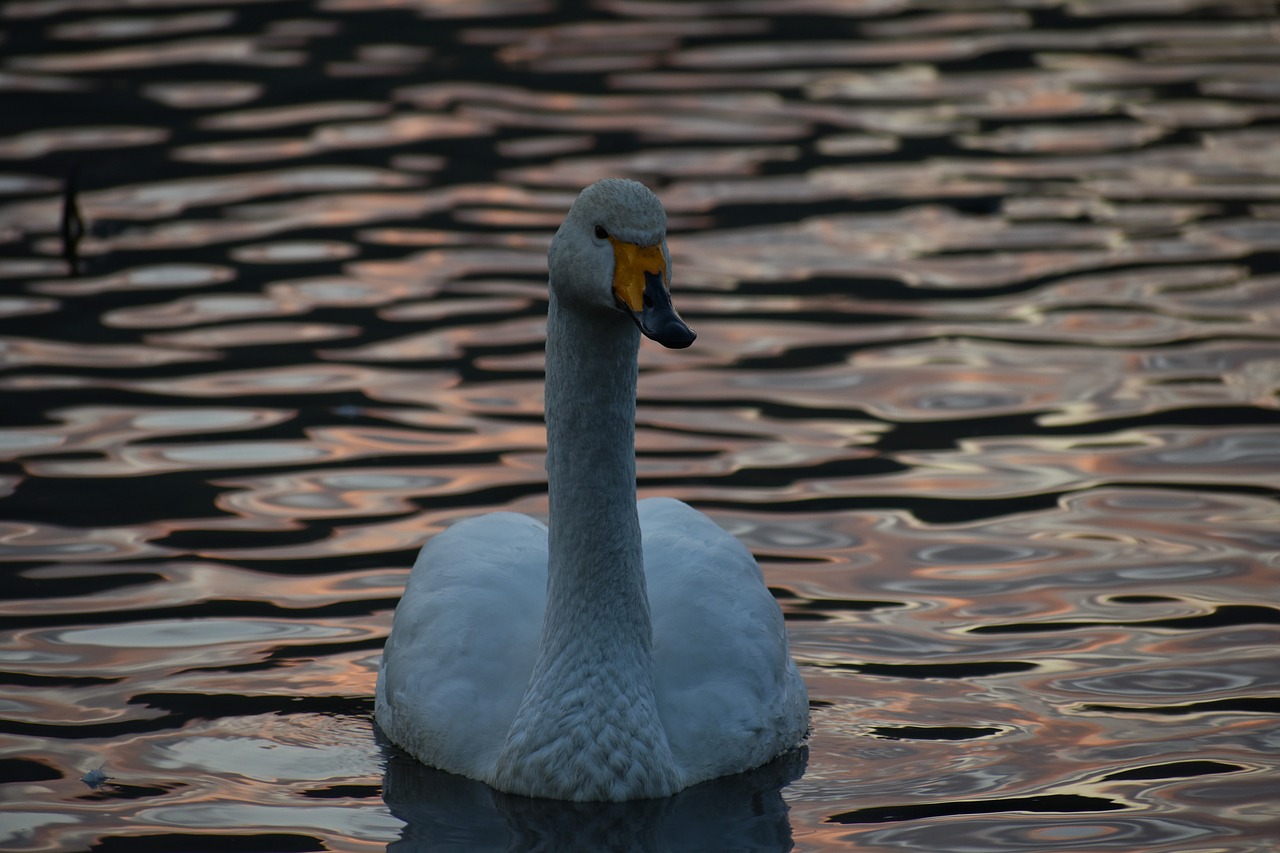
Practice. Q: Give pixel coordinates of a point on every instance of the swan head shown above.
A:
(610, 254)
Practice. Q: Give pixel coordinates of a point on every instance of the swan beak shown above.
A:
(640, 289)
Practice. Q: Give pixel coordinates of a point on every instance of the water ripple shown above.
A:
(987, 377)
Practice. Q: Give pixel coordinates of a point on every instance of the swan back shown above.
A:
(728, 690)
(463, 642)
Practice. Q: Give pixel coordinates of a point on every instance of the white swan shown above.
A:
(629, 651)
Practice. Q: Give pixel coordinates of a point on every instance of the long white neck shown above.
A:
(596, 585)
(589, 717)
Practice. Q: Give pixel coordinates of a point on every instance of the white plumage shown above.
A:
(629, 651)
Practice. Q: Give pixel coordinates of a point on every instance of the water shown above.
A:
(987, 300)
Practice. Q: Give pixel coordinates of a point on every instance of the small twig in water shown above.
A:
(72, 224)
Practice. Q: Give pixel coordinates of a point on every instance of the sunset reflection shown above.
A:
(986, 377)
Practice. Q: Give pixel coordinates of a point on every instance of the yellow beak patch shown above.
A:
(630, 263)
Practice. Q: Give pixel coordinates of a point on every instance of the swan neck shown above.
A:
(591, 472)
(588, 726)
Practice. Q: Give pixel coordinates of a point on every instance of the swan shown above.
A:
(626, 650)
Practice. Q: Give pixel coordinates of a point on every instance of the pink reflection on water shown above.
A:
(294, 251)
(299, 379)
(356, 492)
(198, 95)
(37, 143)
(163, 200)
(25, 352)
(1107, 176)
(987, 469)
(283, 298)
(88, 428)
(151, 277)
(231, 50)
(111, 28)
(252, 334)
(23, 541)
(322, 445)
(181, 583)
(444, 343)
(17, 306)
(1073, 383)
(264, 118)
(401, 129)
(1066, 138)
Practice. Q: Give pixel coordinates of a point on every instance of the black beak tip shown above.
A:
(659, 320)
(674, 335)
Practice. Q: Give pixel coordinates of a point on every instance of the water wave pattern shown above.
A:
(988, 303)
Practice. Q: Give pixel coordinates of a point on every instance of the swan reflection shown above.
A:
(446, 812)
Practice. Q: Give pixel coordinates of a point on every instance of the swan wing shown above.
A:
(728, 690)
(463, 642)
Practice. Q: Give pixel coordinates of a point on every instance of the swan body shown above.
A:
(627, 650)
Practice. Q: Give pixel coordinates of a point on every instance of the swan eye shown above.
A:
(601, 234)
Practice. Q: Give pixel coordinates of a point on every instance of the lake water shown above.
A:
(988, 303)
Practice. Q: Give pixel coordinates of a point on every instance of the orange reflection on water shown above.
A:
(987, 469)
(231, 50)
(151, 277)
(23, 541)
(166, 199)
(401, 129)
(445, 343)
(985, 378)
(252, 334)
(39, 142)
(355, 492)
(25, 352)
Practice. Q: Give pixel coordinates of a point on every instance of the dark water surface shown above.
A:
(988, 302)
